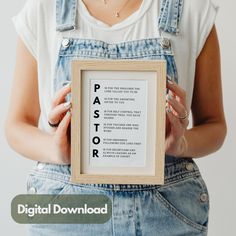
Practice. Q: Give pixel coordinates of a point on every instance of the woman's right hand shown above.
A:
(60, 113)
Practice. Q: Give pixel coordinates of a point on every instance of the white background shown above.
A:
(217, 169)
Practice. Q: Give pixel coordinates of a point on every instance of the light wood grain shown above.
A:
(78, 66)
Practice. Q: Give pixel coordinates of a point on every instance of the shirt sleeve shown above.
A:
(26, 26)
(207, 20)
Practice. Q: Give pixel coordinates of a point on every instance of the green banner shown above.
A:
(61, 209)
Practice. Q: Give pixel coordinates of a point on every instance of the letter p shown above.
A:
(96, 87)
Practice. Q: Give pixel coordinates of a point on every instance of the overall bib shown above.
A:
(180, 207)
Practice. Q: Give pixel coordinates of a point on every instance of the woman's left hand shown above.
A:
(176, 120)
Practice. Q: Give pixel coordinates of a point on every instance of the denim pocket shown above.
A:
(41, 185)
(187, 200)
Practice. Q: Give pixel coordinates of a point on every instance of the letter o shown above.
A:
(90, 210)
(63, 210)
(96, 140)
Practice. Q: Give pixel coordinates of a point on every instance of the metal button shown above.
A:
(40, 166)
(165, 42)
(203, 197)
(65, 43)
(32, 190)
(189, 166)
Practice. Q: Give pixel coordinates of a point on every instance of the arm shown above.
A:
(21, 128)
(209, 126)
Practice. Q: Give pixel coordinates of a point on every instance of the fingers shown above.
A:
(56, 114)
(179, 109)
(176, 126)
(61, 95)
(59, 106)
(177, 90)
(63, 127)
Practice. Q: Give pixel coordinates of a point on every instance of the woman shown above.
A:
(52, 33)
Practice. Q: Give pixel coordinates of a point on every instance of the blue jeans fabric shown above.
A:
(180, 207)
(145, 49)
(173, 209)
(168, 19)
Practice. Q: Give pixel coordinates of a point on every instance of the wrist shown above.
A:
(52, 151)
(183, 147)
(59, 153)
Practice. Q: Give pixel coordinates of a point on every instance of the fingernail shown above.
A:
(67, 84)
(68, 113)
(169, 97)
(67, 104)
(169, 80)
(168, 109)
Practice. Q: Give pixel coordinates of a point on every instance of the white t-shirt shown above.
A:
(36, 25)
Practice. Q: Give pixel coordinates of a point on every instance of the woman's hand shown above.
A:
(176, 120)
(59, 118)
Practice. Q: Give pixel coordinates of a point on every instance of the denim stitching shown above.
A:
(167, 22)
(80, 46)
(170, 14)
(170, 178)
(179, 215)
(65, 179)
(62, 25)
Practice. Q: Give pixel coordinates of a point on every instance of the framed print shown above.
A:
(118, 121)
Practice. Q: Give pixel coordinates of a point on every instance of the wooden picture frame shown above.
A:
(84, 166)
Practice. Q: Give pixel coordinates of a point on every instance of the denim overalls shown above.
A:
(178, 208)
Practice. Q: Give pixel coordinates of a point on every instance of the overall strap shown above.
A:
(66, 15)
(169, 16)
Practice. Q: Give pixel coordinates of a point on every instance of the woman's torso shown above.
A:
(142, 30)
(56, 49)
